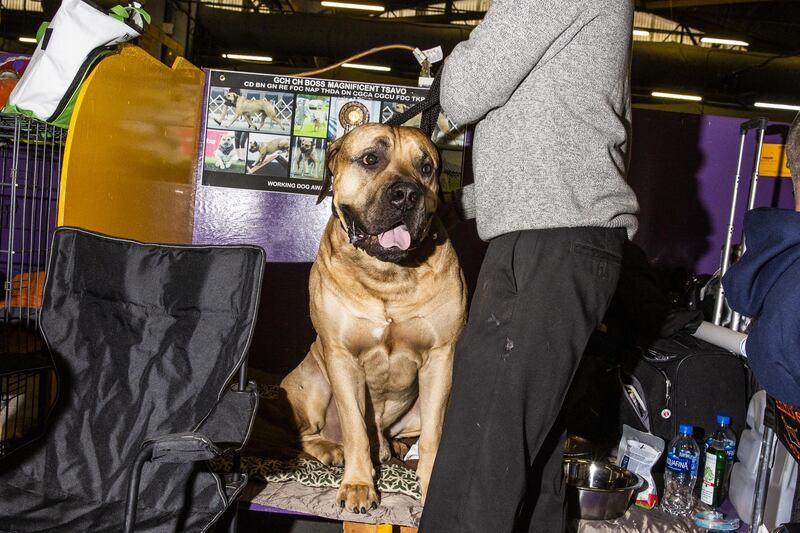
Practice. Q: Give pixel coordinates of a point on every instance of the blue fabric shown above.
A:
(765, 284)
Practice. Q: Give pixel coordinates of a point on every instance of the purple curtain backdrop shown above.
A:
(682, 169)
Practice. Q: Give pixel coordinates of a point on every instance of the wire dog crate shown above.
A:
(30, 164)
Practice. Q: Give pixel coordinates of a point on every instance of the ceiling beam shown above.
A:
(443, 18)
(391, 5)
(677, 4)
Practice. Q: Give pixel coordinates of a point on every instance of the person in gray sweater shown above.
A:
(548, 84)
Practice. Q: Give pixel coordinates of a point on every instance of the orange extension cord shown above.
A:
(355, 57)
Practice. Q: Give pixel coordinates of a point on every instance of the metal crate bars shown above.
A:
(30, 163)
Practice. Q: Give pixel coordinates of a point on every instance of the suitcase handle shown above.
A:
(759, 123)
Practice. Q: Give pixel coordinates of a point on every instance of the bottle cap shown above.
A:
(723, 420)
(686, 429)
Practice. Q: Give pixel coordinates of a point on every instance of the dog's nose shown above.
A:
(404, 195)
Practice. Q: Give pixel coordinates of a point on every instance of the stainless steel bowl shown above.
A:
(597, 490)
(576, 447)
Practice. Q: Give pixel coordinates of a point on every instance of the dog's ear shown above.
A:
(327, 179)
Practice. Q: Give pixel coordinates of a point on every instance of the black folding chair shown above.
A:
(150, 343)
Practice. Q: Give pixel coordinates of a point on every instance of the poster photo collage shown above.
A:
(271, 133)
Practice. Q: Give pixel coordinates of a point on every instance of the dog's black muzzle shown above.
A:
(403, 196)
(399, 206)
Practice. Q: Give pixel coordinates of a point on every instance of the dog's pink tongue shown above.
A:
(398, 236)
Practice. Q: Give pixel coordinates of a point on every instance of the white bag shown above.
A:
(79, 35)
(782, 481)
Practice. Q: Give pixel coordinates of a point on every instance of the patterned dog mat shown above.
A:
(312, 473)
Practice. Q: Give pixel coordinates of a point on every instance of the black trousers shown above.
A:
(540, 293)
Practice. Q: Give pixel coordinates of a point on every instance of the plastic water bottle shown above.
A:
(727, 437)
(680, 475)
(725, 434)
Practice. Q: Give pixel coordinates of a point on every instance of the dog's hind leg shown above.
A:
(314, 412)
(234, 119)
(325, 451)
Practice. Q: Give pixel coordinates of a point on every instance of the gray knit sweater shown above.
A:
(547, 82)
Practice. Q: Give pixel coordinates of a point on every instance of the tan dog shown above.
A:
(314, 119)
(387, 300)
(266, 149)
(306, 161)
(243, 107)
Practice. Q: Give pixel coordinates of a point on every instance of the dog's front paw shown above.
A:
(357, 497)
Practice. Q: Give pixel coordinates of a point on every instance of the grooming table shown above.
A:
(293, 495)
(284, 487)
(403, 511)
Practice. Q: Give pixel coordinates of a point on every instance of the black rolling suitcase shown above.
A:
(683, 380)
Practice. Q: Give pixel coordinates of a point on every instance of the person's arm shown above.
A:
(482, 72)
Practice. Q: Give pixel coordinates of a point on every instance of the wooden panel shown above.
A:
(132, 147)
(356, 527)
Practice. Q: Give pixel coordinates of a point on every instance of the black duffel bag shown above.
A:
(683, 380)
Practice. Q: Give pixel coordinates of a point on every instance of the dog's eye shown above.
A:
(369, 159)
(427, 168)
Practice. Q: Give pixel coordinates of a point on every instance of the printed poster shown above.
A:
(271, 133)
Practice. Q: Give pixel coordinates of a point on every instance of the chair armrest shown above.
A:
(186, 447)
(226, 427)
(183, 448)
